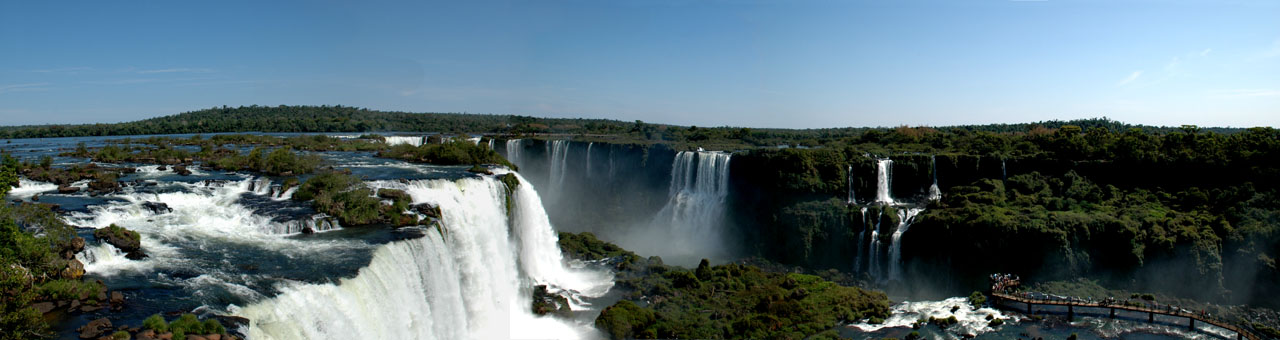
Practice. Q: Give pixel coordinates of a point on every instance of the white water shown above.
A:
(971, 321)
(851, 199)
(471, 279)
(491, 143)
(862, 239)
(934, 193)
(514, 148)
(557, 157)
(695, 209)
(873, 263)
(905, 218)
(884, 168)
(588, 164)
(474, 140)
(27, 188)
(411, 140)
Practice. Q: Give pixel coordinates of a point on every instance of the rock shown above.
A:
(95, 328)
(546, 303)
(44, 307)
(74, 270)
(67, 189)
(146, 335)
(17, 200)
(89, 308)
(162, 168)
(35, 198)
(213, 336)
(158, 208)
(70, 249)
(181, 170)
(75, 304)
(196, 337)
(126, 240)
(426, 209)
(117, 298)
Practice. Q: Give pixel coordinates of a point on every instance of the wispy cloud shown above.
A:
(64, 70)
(176, 70)
(1247, 93)
(23, 87)
(1205, 52)
(1132, 76)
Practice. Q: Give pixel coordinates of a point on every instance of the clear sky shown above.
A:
(707, 63)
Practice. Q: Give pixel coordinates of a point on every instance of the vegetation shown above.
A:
(183, 325)
(448, 153)
(346, 198)
(725, 301)
(34, 265)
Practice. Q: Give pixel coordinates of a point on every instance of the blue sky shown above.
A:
(706, 63)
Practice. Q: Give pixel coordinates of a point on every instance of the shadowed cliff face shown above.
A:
(1043, 218)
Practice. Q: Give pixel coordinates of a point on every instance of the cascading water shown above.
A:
(884, 168)
(1004, 173)
(873, 256)
(694, 211)
(514, 148)
(851, 199)
(491, 144)
(862, 239)
(411, 140)
(470, 278)
(935, 194)
(588, 164)
(558, 155)
(905, 218)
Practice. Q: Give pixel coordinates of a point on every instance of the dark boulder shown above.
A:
(126, 240)
(95, 329)
(181, 170)
(162, 168)
(74, 270)
(67, 189)
(546, 303)
(70, 249)
(427, 210)
(156, 207)
(35, 198)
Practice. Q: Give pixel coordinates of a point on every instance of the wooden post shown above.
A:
(1028, 307)
(1193, 322)
(1071, 314)
(1113, 312)
(1151, 317)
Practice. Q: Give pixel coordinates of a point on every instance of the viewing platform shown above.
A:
(1003, 284)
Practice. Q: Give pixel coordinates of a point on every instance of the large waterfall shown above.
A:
(411, 140)
(849, 177)
(514, 148)
(884, 178)
(689, 226)
(468, 279)
(935, 194)
(905, 217)
(557, 157)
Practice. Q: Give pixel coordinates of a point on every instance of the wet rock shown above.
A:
(181, 170)
(117, 298)
(126, 240)
(67, 189)
(546, 303)
(89, 308)
(146, 335)
(44, 307)
(95, 328)
(17, 200)
(74, 270)
(35, 198)
(162, 168)
(427, 210)
(72, 248)
(157, 208)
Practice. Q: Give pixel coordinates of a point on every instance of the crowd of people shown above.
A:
(1004, 283)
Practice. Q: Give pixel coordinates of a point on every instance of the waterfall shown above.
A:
(411, 140)
(1004, 174)
(695, 209)
(468, 279)
(934, 193)
(474, 140)
(558, 154)
(884, 169)
(514, 148)
(491, 144)
(873, 257)
(588, 165)
(905, 217)
(862, 239)
(852, 199)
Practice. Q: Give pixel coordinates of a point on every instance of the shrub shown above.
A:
(156, 323)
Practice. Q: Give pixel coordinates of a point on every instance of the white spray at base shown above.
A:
(411, 140)
(905, 218)
(469, 279)
(970, 320)
(27, 188)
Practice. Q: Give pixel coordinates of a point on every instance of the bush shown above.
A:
(120, 335)
(156, 323)
(977, 299)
